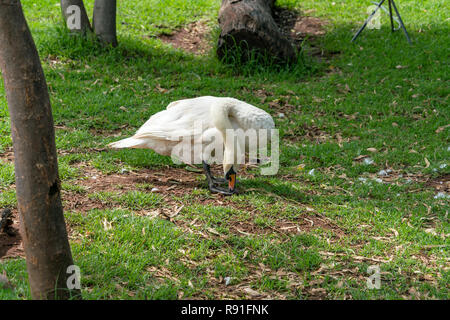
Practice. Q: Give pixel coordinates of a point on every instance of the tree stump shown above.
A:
(248, 25)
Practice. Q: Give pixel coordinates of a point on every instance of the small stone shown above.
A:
(368, 161)
(227, 280)
(155, 190)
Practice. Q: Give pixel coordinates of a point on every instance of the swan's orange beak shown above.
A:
(232, 181)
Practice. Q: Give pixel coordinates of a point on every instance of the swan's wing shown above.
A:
(193, 102)
(250, 117)
(182, 118)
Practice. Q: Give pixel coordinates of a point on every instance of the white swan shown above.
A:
(201, 119)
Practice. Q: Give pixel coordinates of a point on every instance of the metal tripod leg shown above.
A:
(390, 15)
(401, 21)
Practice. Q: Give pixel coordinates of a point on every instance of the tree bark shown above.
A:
(84, 20)
(104, 21)
(248, 25)
(38, 186)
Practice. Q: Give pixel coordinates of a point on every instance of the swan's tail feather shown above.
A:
(128, 143)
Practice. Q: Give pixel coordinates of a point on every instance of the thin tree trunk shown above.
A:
(104, 21)
(248, 25)
(38, 186)
(70, 16)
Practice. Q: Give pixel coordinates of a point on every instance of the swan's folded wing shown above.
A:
(158, 135)
(169, 135)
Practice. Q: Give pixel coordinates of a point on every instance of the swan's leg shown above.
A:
(218, 180)
(210, 177)
(213, 182)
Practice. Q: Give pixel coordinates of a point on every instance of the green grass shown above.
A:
(377, 93)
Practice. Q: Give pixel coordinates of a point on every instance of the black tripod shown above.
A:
(400, 22)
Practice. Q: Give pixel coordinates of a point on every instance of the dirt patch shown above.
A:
(192, 38)
(11, 244)
(298, 26)
(309, 26)
(174, 181)
(73, 201)
(441, 184)
(8, 155)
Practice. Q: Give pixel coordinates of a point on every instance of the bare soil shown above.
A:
(195, 37)
(11, 245)
(192, 38)
(441, 183)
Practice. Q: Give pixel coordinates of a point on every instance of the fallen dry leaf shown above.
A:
(318, 291)
(431, 231)
(252, 292)
(361, 157)
(440, 129)
(394, 231)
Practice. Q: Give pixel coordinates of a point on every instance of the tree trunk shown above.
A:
(104, 21)
(248, 25)
(38, 186)
(70, 16)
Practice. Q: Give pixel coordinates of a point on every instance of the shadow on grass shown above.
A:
(274, 187)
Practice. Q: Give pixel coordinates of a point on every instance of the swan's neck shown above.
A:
(220, 116)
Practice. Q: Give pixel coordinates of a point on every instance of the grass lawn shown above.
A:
(309, 232)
